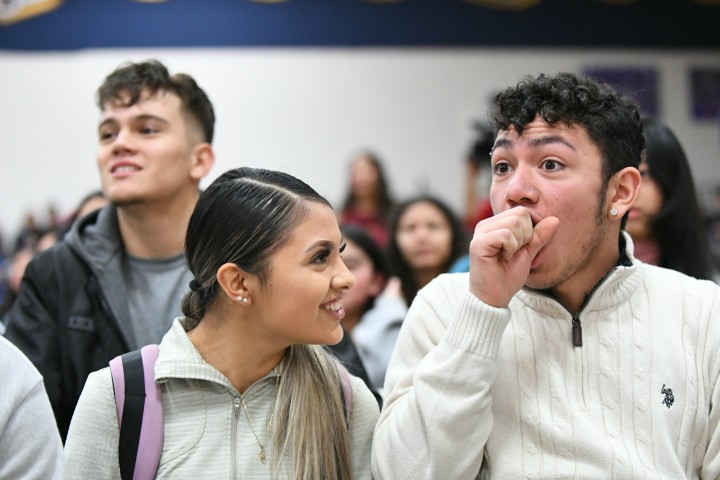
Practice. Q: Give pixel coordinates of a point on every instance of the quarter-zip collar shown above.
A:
(178, 358)
(613, 289)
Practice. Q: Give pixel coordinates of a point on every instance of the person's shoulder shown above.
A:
(665, 285)
(15, 363)
(364, 402)
(659, 276)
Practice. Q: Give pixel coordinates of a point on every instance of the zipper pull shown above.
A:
(576, 331)
(236, 406)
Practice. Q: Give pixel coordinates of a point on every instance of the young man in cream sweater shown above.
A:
(559, 355)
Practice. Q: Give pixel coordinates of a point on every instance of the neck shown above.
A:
(368, 204)
(156, 230)
(235, 350)
(423, 277)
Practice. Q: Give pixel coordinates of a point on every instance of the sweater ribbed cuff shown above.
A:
(477, 327)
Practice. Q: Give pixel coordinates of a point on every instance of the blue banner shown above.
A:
(76, 24)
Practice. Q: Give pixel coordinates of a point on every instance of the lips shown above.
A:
(123, 169)
(334, 308)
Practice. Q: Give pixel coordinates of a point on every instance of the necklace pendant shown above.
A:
(261, 454)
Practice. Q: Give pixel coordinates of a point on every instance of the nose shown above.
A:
(343, 279)
(122, 141)
(519, 189)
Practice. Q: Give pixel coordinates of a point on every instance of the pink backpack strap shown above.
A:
(141, 423)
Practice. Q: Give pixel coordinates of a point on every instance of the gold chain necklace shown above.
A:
(261, 454)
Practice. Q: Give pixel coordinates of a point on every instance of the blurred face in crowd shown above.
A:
(147, 151)
(424, 237)
(364, 177)
(368, 282)
(648, 204)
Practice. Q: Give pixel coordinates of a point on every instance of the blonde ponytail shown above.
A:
(311, 424)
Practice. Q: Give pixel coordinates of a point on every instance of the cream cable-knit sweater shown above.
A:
(480, 392)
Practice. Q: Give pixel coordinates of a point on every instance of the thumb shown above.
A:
(542, 233)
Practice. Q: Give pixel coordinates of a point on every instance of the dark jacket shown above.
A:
(65, 318)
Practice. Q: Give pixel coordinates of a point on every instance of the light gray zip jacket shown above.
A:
(207, 433)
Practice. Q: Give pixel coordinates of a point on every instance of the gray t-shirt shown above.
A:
(155, 289)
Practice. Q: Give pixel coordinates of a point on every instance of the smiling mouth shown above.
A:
(333, 307)
(124, 169)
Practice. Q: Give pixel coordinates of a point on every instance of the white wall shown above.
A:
(304, 111)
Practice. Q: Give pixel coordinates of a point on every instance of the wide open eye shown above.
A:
(551, 165)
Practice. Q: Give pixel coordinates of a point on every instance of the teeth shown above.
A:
(333, 307)
(125, 168)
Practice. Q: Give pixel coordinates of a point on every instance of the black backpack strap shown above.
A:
(132, 416)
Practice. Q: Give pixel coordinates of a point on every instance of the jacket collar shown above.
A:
(615, 288)
(179, 359)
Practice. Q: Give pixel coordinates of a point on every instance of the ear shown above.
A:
(203, 160)
(236, 283)
(622, 191)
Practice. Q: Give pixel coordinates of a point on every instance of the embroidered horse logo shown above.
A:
(669, 398)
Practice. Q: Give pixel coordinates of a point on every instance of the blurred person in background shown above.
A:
(374, 306)
(426, 238)
(666, 220)
(477, 164)
(368, 202)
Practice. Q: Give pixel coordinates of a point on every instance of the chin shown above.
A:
(541, 281)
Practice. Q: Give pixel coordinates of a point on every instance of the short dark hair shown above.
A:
(612, 121)
(127, 83)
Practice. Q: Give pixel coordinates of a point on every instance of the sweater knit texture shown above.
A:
(474, 391)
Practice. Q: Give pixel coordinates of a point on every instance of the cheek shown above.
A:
(405, 241)
(363, 276)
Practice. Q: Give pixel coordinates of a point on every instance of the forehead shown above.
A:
(318, 224)
(539, 133)
(422, 210)
(354, 250)
(161, 102)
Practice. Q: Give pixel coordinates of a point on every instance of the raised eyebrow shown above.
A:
(501, 142)
(539, 142)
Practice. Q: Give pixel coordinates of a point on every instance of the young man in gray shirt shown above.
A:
(115, 282)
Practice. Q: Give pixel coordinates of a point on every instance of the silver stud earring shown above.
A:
(613, 212)
(242, 299)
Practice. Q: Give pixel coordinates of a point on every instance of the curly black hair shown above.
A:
(612, 121)
(127, 83)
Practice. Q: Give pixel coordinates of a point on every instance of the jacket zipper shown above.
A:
(576, 330)
(236, 412)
